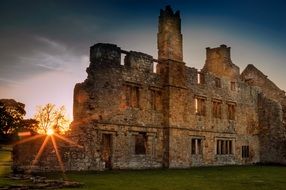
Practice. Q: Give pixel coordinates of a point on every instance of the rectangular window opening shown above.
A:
(231, 111)
(132, 96)
(232, 86)
(197, 147)
(200, 106)
(245, 151)
(155, 99)
(217, 82)
(140, 143)
(216, 109)
(224, 147)
(200, 78)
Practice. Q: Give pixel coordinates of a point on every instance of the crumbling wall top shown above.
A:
(219, 52)
(218, 62)
(168, 12)
(105, 53)
(139, 61)
(255, 77)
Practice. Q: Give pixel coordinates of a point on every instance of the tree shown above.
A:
(12, 120)
(50, 117)
(11, 115)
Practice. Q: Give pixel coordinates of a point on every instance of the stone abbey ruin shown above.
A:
(126, 116)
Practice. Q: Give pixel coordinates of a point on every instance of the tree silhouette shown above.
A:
(50, 117)
(11, 115)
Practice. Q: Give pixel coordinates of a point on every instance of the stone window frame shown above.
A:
(200, 105)
(233, 85)
(217, 81)
(197, 144)
(114, 134)
(245, 151)
(201, 78)
(224, 146)
(217, 108)
(231, 110)
(155, 95)
(151, 143)
(140, 147)
(131, 100)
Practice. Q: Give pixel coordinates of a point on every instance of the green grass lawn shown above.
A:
(5, 165)
(205, 178)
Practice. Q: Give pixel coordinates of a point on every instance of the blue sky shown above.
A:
(45, 44)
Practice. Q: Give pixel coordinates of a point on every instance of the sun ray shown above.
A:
(50, 135)
(67, 140)
(34, 162)
(58, 154)
(27, 139)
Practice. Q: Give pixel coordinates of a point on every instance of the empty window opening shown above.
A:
(231, 111)
(155, 99)
(122, 59)
(132, 96)
(216, 108)
(106, 152)
(224, 147)
(245, 151)
(140, 143)
(155, 67)
(217, 82)
(200, 106)
(201, 78)
(197, 146)
(232, 86)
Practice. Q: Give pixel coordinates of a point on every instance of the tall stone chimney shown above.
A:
(170, 42)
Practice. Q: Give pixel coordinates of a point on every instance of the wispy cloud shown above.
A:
(9, 82)
(52, 56)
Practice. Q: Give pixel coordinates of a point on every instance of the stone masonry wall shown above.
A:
(185, 124)
(272, 115)
(272, 132)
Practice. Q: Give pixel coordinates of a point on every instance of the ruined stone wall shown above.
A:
(254, 77)
(272, 115)
(218, 62)
(105, 110)
(186, 124)
(169, 37)
(272, 134)
(38, 156)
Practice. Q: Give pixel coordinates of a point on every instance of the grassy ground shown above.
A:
(207, 178)
(5, 165)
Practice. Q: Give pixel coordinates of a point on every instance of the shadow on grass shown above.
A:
(204, 178)
(224, 177)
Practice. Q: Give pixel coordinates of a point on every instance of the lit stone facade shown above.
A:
(126, 116)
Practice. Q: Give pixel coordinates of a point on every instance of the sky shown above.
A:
(44, 44)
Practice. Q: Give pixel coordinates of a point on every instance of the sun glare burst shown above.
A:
(50, 134)
(50, 131)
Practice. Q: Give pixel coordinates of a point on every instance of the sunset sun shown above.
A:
(50, 131)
